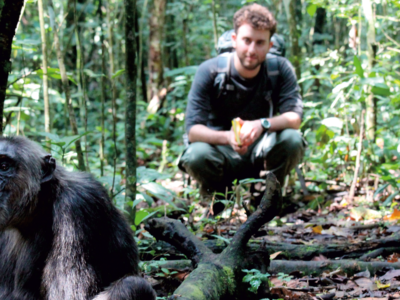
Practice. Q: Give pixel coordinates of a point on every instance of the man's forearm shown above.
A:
(284, 121)
(201, 133)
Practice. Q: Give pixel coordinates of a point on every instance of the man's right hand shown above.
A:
(241, 149)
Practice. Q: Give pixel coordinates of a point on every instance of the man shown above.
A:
(214, 157)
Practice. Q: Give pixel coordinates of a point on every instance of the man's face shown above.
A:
(252, 45)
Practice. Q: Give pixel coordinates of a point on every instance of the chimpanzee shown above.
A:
(60, 236)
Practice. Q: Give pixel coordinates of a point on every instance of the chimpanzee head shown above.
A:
(24, 167)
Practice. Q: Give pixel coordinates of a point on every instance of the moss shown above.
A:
(230, 280)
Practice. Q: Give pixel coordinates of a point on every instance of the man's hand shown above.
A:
(241, 149)
(250, 131)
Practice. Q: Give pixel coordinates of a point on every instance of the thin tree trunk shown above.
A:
(45, 77)
(290, 7)
(113, 91)
(82, 89)
(215, 26)
(320, 20)
(141, 64)
(130, 106)
(68, 99)
(10, 12)
(184, 41)
(156, 66)
(103, 88)
(358, 159)
(371, 101)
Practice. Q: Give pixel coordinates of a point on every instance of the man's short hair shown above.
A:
(257, 16)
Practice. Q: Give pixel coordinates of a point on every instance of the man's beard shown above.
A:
(252, 66)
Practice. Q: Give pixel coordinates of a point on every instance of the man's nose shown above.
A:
(252, 47)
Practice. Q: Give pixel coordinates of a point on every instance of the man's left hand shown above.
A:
(250, 131)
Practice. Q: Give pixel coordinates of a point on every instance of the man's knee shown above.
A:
(198, 156)
(291, 141)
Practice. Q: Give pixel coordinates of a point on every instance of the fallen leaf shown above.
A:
(395, 216)
(382, 285)
(317, 229)
(359, 213)
(273, 256)
(390, 275)
(319, 258)
(393, 258)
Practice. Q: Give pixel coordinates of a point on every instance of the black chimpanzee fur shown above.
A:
(60, 236)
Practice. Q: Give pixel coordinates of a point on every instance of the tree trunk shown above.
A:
(103, 88)
(292, 17)
(215, 24)
(68, 99)
(10, 12)
(320, 20)
(371, 101)
(113, 91)
(221, 272)
(76, 16)
(130, 107)
(156, 66)
(45, 78)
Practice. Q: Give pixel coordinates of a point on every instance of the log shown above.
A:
(314, 268)
(296, 251)
(219, 276)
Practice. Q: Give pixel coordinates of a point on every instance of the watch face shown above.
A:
(266, 124)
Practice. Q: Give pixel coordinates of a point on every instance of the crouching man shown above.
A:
(238, 86)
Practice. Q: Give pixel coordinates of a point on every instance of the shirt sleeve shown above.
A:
(199, 105)
(289, 98)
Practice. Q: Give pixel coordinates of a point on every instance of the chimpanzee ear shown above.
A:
(48, 168)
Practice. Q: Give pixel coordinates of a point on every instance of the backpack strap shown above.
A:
(273, 73)
(222, 80)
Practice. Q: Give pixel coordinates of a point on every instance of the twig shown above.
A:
(23, 76)
(353, 185)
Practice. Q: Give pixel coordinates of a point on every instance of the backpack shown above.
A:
(225, 48)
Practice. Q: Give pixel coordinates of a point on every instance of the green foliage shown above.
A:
(254, 277)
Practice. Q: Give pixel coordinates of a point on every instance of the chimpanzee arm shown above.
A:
(67, 274)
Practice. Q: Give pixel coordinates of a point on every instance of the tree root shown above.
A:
(219, 276)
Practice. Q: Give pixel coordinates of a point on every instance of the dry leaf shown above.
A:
(273, 256)
(393, 258)
(395, 216)
(317, 229)
(381, 285)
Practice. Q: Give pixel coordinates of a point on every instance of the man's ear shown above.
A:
(49, 165)
(234, 37)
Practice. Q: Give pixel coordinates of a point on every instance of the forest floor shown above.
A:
(324, 218)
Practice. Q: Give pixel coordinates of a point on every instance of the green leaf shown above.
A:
(250, 180)
(227, 241)
(68, 140)
(312, 9)
(381, 89)
(380, 189)
(118, 73)
(160, 192)
(359, 70)
(139, 216)
(144, 218)
(90, 73)
(147, 198)
(390, 199)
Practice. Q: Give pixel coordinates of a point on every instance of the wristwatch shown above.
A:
(265, 124)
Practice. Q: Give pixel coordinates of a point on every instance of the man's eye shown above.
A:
(4, 166)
